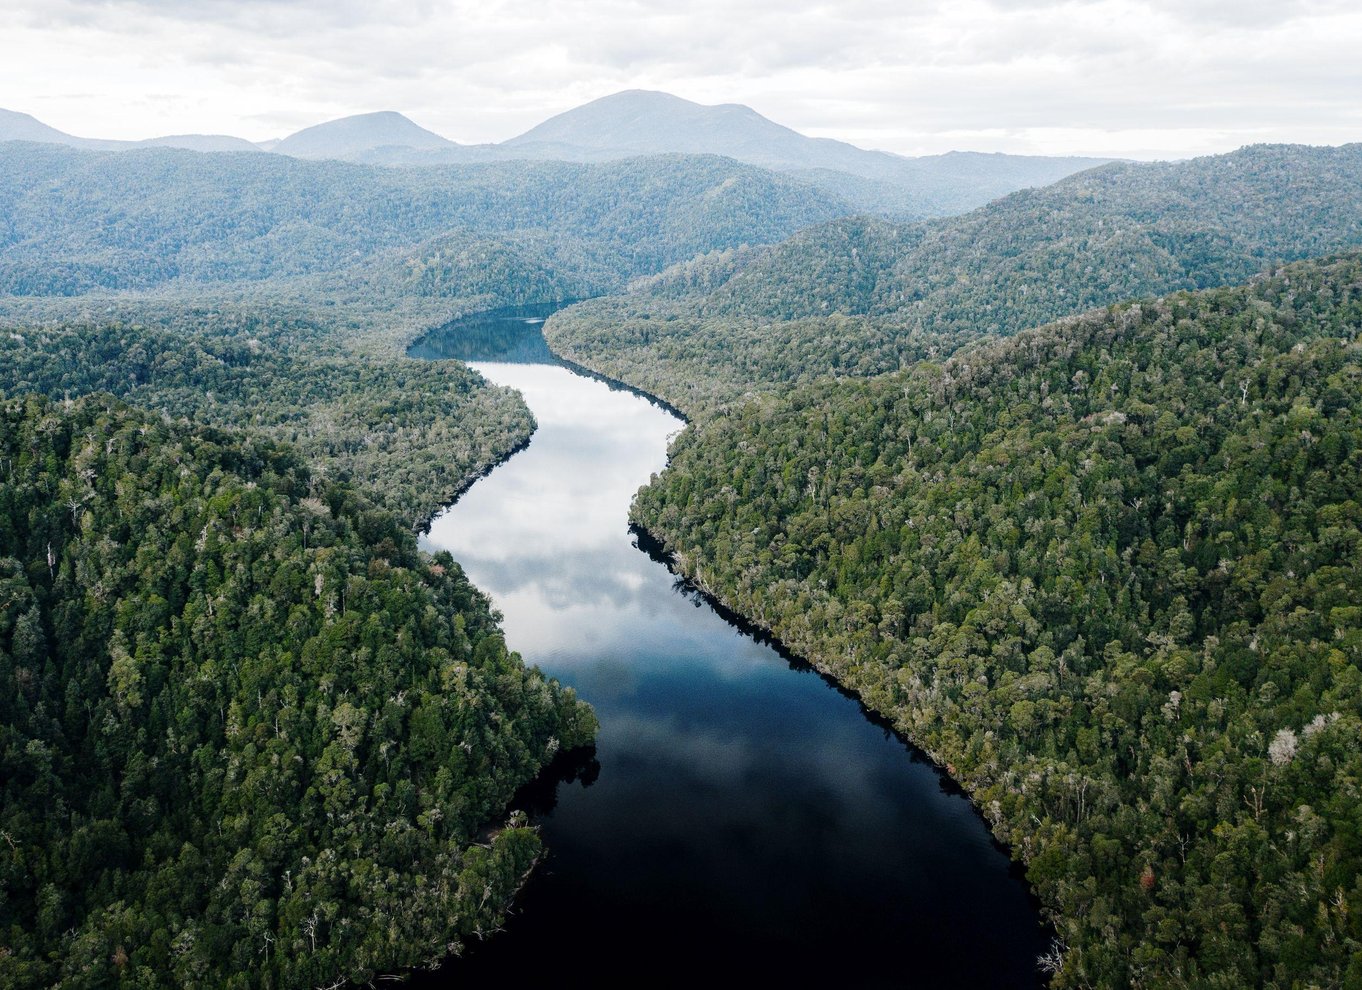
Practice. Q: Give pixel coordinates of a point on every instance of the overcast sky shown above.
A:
(1139, 78)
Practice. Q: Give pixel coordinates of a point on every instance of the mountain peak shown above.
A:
(644, 121)
(358, 133)
(657, 99)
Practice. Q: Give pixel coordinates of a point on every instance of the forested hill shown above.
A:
(1109, 573)
(264, 290)
(861, 296)
(411, 434)
(248, 736)
(357, 134)
(73, 222)
(267, 290)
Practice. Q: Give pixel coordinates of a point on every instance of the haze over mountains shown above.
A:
(638, 123)
(25, 127)
(77, 222)
(350, 136)
(642, 122)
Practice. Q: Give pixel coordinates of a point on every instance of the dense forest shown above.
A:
(1107, 573)
(248, 735)
(412, 434)
(862, 296)
(260, 289)
(75, 222)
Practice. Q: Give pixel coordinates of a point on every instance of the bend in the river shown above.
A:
(741, 818)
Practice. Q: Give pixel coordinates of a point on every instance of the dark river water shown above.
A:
(741, 820)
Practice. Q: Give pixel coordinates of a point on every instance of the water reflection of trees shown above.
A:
(513, 334)
(539, 797)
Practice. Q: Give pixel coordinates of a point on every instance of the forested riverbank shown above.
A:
(250, 736)
(733, 792)
(1105, 573)
(861, 296)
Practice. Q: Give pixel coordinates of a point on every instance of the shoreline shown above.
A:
(656, 549)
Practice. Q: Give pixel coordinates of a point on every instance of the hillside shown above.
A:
(78, 222)
(860, 296)
(249, 737)
(410, 434)
(1107, 574)
(16, 126)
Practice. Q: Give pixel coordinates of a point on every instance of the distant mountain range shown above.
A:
(640, 122)
(25, 127)
(637, 123)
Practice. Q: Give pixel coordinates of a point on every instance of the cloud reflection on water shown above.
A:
(735, 792)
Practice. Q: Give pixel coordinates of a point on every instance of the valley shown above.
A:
(976, 603)
(721, 764)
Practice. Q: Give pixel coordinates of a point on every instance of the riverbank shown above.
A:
(736, 795)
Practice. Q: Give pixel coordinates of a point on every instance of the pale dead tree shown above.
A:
(1282, 749)
(1051, 961)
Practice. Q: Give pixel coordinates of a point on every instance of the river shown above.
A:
(742, 819)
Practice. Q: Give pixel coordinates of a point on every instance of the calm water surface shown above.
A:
(741, 818)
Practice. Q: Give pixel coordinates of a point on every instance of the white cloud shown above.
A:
(1134, 77)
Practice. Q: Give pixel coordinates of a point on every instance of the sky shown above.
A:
(1130, 78)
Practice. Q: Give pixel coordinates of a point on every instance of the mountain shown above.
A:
(201, 142)
(348, 137)
(24, 127)
(640, 122)
(351, 136)
(860, 296)
(16, 126)
(345, 138)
